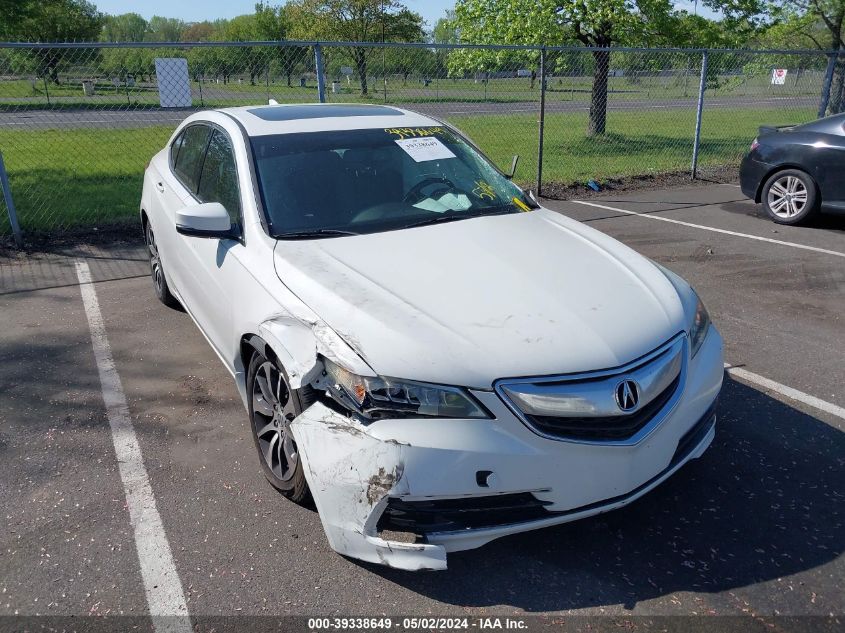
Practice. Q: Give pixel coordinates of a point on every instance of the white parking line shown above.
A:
(649, 216)
(165, 597)
(789, 392)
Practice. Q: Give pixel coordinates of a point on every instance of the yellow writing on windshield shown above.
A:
(484, 190)
(411, 132)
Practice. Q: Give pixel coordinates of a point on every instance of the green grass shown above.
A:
(67, 178)
(64, 178)
(637, 143)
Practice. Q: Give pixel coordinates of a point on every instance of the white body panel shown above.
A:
(465, 303)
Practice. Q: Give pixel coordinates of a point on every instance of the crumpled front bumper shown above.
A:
(354, 471)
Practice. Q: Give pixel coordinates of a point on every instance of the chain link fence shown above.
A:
(78, 122)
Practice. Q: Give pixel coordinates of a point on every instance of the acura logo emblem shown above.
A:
(627, 395)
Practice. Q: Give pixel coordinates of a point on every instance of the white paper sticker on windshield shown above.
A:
(425, 148)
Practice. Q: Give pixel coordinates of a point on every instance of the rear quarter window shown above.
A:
(174, 149)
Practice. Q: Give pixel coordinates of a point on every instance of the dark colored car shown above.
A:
(797, 171)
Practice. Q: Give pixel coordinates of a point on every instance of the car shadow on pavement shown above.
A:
(827, 221)
(764, 502)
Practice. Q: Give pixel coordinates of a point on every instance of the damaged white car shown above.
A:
(432, 356)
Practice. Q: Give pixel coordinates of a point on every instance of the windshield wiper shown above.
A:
(500, 210)
(304, 235)
(437, 220)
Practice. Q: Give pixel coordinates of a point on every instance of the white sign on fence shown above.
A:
(779, 76)
(174, 85)
(346, 70)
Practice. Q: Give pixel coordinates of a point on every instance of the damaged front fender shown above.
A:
(297, 344)
(351, 475)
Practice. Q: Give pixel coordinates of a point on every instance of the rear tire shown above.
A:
(790, 197)
(160, 286)
(273, 405)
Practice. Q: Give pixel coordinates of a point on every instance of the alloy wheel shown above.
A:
(155, 261)
(273, 411)
(787, 197)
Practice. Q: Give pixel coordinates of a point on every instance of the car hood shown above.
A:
(468, 302)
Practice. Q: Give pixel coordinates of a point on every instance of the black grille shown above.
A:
(615, 427)
(449, 515)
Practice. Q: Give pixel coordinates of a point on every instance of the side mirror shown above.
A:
(209, 219)
(514, 163)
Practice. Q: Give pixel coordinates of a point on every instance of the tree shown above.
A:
(162, 29)
(199, 32)
(696, 31)
(597, 24)
(12, 14)
(823, 23)
(742, 18)
(521, 22)
(53, 21)
(272, 23)
(445, 31)
(251, 59)
(128, 27)
(356, 21)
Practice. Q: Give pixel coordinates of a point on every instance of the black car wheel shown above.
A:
(790, 197)
(157, 271)
(273, 405)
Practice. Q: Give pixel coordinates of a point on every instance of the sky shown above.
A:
(196, 11)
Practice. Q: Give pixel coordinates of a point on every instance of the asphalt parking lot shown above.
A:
(753, 528)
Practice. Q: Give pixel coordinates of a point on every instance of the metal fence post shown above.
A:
(542, 121)
(701, 87)
(321, 75)
(10, 205)
(828, 81)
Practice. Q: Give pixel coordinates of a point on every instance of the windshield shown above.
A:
(318, 184)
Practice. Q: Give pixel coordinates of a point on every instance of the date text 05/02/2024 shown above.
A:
(416, 623)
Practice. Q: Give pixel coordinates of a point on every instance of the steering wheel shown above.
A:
(415, 193)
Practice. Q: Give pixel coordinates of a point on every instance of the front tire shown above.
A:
(273, 405)
(790, 197)
(162, 290)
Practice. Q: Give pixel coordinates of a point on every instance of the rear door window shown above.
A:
(219, 178)
(189, 159)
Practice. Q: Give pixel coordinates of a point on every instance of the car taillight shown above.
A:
(755, 144)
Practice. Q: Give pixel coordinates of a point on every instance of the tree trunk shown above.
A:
(361, 64)
(288, 73)
(837, 89)
(598, 99)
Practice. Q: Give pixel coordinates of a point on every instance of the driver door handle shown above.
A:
(160, 187)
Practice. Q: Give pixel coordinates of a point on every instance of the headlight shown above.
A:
(381, 397)
(698, 328)
(701, 319)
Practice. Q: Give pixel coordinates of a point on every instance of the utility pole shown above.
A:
(383, 54)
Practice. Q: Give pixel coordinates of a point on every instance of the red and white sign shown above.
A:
(778, 76)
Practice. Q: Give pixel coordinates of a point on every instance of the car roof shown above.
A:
(261, 120)
(829, 125)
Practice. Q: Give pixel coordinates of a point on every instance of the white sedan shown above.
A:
(422, 349)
